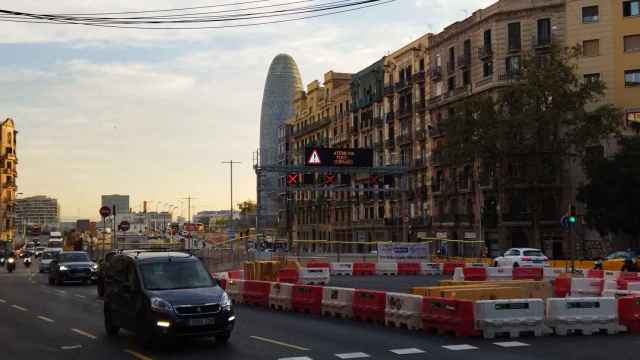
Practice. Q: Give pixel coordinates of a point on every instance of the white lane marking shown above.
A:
(44, 318)
(19, 308)
(3, 301)
(408, 351)
(80, 296)
(510, 344)
(460, 347)
(84, 333)
(276, 342)
(297, 358)
(71, 347)
(137, 355)
(61, 292)
(355, 355)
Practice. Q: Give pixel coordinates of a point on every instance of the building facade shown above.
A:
(37, 210)
(9, 164)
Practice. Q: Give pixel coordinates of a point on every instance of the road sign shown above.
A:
(338, 157)
(105, 211)
(124, 226)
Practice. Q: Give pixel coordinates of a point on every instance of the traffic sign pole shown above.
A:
(104, 211)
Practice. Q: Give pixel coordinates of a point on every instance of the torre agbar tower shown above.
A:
(280, 88)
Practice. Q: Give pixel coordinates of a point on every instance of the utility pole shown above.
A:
(231, 163)
(189, 198)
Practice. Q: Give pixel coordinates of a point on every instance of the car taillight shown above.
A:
(526, 259)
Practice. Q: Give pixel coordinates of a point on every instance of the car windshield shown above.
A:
(73, 257)
(533, 253)
(175, 275)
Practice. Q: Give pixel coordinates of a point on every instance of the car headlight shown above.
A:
(161, 305)
(63, 268)
(225, 302)
(94, 267)
(11, 260)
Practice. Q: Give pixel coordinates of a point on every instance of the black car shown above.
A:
(164, 295)
(72, 266)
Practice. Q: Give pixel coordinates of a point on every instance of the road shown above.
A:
(39, 321)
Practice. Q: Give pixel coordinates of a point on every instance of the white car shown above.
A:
(515, 257)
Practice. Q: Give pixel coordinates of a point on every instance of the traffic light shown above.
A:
(572, 214)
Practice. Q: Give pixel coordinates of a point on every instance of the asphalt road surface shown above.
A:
(38, 321)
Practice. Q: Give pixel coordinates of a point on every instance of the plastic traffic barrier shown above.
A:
(562, 287)
(428, 268)
(610, 285)
(449, 315)
(619, 293)
(314, 276)
(235, 288)
(587, 315)
(337, 302)
(306, 299)
(474, 273)
(403, 310)
(532, 273)
(223, 283)
(458, 274)
(512, 317)
(236, 274)
(256, 292)
(280, 296)
(290, 276)
(369, 305)
(408, 268)
(597, 274)
(633, 286)
(611, 275)
(341, 268)
(364, 268)
(386, 268)
(449, 267)
(318, 264)
(500, 273)
(551, 273)
(585, 287)
(629, 312)
(625, 278)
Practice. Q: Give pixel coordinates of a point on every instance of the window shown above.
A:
(591, 77)
(632, 77)
(451, 83)
(487, 39)
(631, 8)
(591, 48)
(466, 78)
(513, 65)
(589, 14)
(632, 43)
(487, 69)
(544, 32)
(514, 36)
(633, 118)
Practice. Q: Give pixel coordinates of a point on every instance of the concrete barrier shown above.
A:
(511, 317)
(404, 310)
(337, 302)
(341, 268)
(386, 268)
(280, 296)
(587, 315)
(314, 276)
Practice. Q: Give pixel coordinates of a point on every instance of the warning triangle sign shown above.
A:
(314, 158)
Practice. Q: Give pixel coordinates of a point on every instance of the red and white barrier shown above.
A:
(314, 276)
(586, 287)
(428, 268)
(280, 296)
(235, 289)
(337, 302)
(512, 317)
(386, 268)
(341, 268)
(588, 315)
(403, 310)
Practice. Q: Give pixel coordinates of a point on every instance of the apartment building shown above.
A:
(37, 210)
(8, 164)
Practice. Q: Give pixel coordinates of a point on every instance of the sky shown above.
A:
(153, 113)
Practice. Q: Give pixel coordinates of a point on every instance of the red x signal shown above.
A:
(292, 179)
(374, 179)
(329, 178)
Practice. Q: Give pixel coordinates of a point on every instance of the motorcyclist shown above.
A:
(598, 265)
(630, 265)
(11, 262)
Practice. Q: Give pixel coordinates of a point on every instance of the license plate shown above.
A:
(201, 322)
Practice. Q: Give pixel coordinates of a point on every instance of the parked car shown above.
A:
(616, 260)
(164, 296)
(515, 257)
(72, 266)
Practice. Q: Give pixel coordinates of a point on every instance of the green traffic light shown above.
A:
(572, 219)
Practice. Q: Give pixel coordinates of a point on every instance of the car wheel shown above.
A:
(516, 265)
(223, 338)
(109, 327)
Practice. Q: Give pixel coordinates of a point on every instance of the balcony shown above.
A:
(388, 90)
(419, 76)
(421, 134)
(485, 81)
(435, 100)
(436, 158)
(459, 91)
(390, 116)
(542, 43)
(464, 218)
(464, 61)
(420, 106)
(405, 111)
(435, 72)
(419, 163)
(485, 52)
(354, 130)
(451, 67)
(9, 184)
(402, 85)
(313, 126)
(378, 122)
(404, 139)
(436, 131)
(390, 143)
(509, 76)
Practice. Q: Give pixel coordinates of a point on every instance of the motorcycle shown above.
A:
(2, 261)
(11, 264)
(27, 262)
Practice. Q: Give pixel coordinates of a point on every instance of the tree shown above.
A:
(523, 135)
(613, 190)
(247, 207)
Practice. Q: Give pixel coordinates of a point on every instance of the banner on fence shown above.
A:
(403, 251)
